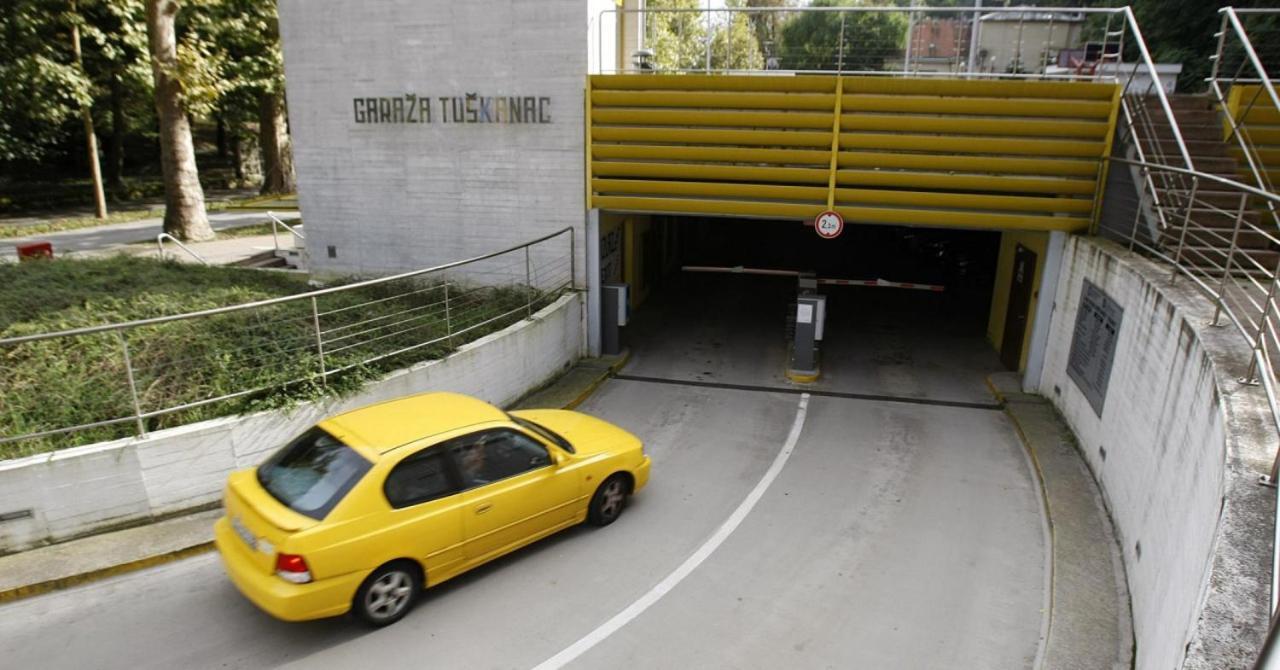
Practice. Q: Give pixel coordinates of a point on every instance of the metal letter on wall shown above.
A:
(1093, 345)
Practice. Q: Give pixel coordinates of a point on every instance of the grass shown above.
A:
(272, 352)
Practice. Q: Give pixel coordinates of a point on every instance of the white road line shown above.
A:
(690, 564)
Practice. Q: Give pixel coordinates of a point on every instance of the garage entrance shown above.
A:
(713, 301)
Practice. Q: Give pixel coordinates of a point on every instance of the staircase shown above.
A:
(1214, 208)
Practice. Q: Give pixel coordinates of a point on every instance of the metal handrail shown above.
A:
(275, 222)
(281, 300)
(160, 246)
(1232, 15)
(1262, 335)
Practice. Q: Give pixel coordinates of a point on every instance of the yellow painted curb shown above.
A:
(30, 590)
(591, 388)
(802, 378)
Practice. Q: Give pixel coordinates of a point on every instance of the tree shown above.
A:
(766, 26)
(247, 32)
(678, 39)
(184, 214)
(733, 44)
(845, 41)
(86, 115)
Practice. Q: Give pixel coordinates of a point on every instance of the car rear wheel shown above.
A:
(609, 500)
(387, 595)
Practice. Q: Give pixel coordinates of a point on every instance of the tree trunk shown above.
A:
(184, 213)
(277, 149)
(115, 145)
(91, 138)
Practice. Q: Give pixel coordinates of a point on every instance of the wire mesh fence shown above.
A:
(991, 41)
(135, 377)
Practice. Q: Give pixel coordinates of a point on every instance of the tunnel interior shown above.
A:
(733, 327)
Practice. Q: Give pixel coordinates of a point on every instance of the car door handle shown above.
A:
(484, 508)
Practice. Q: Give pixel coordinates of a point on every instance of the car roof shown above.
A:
(382, 427)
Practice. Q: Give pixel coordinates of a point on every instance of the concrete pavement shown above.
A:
(905, 530)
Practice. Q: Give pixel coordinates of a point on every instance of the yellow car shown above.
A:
(362, 511)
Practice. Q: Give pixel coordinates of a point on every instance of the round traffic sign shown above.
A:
(829, 225)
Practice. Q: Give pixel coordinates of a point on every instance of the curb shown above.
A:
(591, 388)
(61, 583)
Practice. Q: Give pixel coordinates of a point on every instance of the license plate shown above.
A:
(244, 533)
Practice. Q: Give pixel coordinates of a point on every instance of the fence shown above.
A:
(90, 384)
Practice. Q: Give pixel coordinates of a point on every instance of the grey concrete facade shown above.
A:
(391, 187)
(1176, 449)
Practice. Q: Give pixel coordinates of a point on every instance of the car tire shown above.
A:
(609, 500)
(388, 594)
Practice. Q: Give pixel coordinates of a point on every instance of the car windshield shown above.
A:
(546, 433)
(312, 474)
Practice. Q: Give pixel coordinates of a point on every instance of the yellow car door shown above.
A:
(427, 507)
(516, 491)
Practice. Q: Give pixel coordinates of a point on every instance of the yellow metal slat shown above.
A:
(1264, 134)
(713, 82)
(741, 173)
(746, 208)
(711, 154)
(976, 144)
(701, 117)
(966, 201)
(1267, 156)
(929, 181)
(715, 99)
(813, 194)
(1057, 90)
(977, 164)
(852, 214)
(973, 126)
(1074, 109)
(755, 138)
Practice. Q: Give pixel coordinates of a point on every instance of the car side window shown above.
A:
(490, 456)
(418, 479)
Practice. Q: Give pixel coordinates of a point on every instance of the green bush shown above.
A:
(269, 355)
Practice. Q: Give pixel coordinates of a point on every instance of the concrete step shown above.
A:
(1201, 132)
(1216, 257)
(1196, 117)
(1169, 147)
(264, 259)
(1217, 237)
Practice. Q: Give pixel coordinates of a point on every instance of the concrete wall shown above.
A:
(82, 490)
(1176, 451)
(409, 192)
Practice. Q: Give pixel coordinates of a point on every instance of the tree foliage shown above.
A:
(847, 41)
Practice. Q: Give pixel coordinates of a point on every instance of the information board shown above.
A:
(1093, 344)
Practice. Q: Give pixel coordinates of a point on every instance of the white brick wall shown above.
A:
(1165, 472)
(77, 491)
(393, 197)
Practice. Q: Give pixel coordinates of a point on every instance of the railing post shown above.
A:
(1250, 377)
(315, 321)
(528, 284)
(133, 385)
(1231, 252)
(448, 318)
(573, 258)
(710, 39)
(1186, 222)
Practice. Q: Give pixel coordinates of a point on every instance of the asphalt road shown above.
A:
(106, 237)
(884, 534)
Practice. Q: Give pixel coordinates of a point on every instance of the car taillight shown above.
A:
(292, 568)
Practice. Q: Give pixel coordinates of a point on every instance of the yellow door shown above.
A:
(426, 518)
(516, 492)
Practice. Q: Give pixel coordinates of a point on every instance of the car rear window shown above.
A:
(312, 474)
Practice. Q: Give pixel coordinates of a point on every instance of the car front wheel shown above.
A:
(608, 502)
(387, 595)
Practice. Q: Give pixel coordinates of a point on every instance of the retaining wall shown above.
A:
(86, 489)
(1176, 450)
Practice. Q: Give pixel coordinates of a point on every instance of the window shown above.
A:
(543, 432)
(418, 479)
(313, 473)
(495, 455)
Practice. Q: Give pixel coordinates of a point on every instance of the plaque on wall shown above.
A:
(1093, 344)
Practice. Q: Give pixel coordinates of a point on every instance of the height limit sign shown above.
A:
(829, 225)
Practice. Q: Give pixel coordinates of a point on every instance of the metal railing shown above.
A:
(157, 372)
(1238, 56)
(165, 255)
(1205, 243)
(276, 224)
